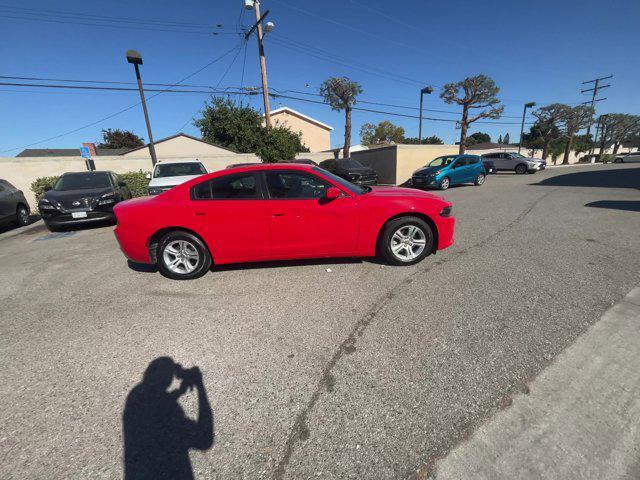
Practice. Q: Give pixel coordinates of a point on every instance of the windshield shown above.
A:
(342, 182)
(82, 181)
(350, 164)
(178, 169)
(442, 161)
(517, 155)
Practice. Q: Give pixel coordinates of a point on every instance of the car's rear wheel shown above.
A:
(479, 179)
(22, 216)
(445, 183)
(406, 241)
(182, 256)
(521, 169)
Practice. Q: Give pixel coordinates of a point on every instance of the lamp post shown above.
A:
(135, 58)
(255, 5)
(424, 90)
(524, 113)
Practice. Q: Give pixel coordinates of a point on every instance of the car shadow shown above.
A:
(157, 434)
(142, 267)
(289, 263)
(84, 226)
(12, 226)
(627, 205)
(613, 178)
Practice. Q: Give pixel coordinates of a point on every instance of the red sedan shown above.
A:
(276, 212)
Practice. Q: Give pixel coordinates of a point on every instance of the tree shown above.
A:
(573, 120)
(548, 125)
(506, 139)
(230, 125)
(432, 140)
(279, 143)
(384, 132)
(621, 128)
(478, 137)
(500, 139)
(479, 92)
(582, 143)
(120, 139)
(341, 93)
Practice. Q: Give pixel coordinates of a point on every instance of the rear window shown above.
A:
(350, 164)
(178, 169)
(229, 187)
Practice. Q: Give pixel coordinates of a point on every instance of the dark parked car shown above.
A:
(351, 170)
(82, 197)
(489, 166)
(13, 205)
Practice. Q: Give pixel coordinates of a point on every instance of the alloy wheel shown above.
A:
(23, 216)
(444, 184)
(408, 242)
(181, 257)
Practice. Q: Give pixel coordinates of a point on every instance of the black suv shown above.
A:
(351, 170)
(82, 197)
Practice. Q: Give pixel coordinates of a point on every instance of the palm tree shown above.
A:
(341, 93)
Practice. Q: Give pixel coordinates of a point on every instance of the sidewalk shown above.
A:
(581, 419)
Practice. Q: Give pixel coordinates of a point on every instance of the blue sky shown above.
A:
(536, 51)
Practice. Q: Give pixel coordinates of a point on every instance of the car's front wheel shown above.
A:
(182, 256)
(445, 183)
(406, 241)
(479, 179)
(521, 169)
(22, 216)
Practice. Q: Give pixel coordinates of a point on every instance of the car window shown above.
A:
(473, 160)
(442, 161)
(328, 164)
(288, 185)
(82, 181)
(491, 155)
(178, 169)
(228, 187)
(461, 162)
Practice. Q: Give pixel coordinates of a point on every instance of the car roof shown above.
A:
(194, 160)
(272, 166)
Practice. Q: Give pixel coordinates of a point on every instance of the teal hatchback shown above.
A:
(450, 170)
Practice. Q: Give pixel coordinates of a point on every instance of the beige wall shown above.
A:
(22, 171)
(180, 147)
(315, 137)
(413, 157)
(382, 160)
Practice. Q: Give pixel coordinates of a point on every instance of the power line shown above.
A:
(594, 99)
(124, 109)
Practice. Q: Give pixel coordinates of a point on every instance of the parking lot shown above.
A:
(326, 369)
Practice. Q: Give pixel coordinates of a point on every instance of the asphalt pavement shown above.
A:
(363, 371)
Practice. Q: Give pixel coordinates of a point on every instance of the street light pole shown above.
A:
(524, 113)
(135, 58)
(255, 4)
(424, 90)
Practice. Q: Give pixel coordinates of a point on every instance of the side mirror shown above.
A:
(332, 193)
(148, 176)
(122, 184)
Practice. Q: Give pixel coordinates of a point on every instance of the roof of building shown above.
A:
(68, 152)
(489, 146)
(179, 134)
(301, 115)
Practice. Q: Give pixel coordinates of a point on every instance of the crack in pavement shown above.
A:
(300, 429)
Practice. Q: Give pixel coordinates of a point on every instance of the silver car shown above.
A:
(628, 158)
(515, 162)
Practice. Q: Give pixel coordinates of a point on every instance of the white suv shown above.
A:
(629, 157)
(167, 175)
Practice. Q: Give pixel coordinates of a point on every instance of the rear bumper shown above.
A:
(133, 244)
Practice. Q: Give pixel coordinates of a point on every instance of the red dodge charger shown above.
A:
(276, 212)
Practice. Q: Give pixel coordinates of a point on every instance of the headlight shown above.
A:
(437, 172)
(446, 211)
(46, 205)
(354, 176)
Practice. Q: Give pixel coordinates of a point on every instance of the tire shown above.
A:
(402, 228)
(182, 256)
(479, 179)
(22, 216)
(445, 183)
(521, 169)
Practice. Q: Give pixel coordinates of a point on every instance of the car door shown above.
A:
(232, 216)
(473, 168)
(304, 224)
(6, 200)
(457, 173)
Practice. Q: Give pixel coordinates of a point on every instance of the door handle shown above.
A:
(200, 214)
(279, 214)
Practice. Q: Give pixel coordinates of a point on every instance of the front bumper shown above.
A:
(424, 182)
(446, 229)
(535, 168)
(63, 219)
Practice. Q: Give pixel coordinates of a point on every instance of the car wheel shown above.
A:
(445, 183)
(406, 241)
(22, 216)
(182, 256)
(479, 179)
(521, 169)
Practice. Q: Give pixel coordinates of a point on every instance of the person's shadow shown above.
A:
(157, 433)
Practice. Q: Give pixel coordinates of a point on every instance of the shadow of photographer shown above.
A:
(157, 433)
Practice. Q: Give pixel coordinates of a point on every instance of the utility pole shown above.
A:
(524, 113)
(594, 99)
(424, 90)
(255, 4)
(135, 58)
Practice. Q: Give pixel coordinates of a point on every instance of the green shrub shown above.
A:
(137, 182)
(40, 185)
(606, 157)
